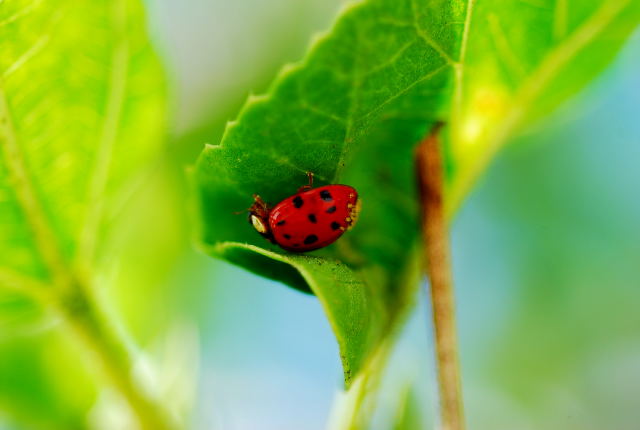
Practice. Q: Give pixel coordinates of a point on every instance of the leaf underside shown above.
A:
(353, 110)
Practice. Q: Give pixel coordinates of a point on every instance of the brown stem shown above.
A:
(438, 268)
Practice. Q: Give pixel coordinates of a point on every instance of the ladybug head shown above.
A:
(259, 217)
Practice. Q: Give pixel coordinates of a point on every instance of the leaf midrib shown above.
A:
(24, 188)
(46, 242)
(459, 70)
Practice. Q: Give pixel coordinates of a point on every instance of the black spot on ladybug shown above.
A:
(280, 222)
(331, 210)
(312, 218)
(286, 236)
(312, 238)
(326, 196)
(335, 226)
(298, 202)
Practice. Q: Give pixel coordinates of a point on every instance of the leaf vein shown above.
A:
(102, 163)
(33, 50)
(459, 71)
(402, 92)
(422, 33)
(507, 56)
(393, 59)
(311, 108)
(32, 207)
(20, 13)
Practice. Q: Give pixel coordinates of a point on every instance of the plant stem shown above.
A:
(92, 328)
(438, 268)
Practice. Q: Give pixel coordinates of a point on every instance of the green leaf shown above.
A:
(39, 388)
(365, 94)
(82, 106)
(521, 61)
(374, 70)
(81, 109)
(20, 316)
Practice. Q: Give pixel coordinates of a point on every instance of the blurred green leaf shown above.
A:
(38, 388)
(20, 315)
(522, 60)
(365, 94)
(82, 106)
(408, 416)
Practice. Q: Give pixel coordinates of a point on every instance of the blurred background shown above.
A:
(546, 258)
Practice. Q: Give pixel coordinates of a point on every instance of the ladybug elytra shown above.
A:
(310, 219)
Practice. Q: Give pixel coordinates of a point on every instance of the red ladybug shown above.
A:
(310, 219)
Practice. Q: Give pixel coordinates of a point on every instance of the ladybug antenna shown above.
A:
(241, 212)
(256, 199)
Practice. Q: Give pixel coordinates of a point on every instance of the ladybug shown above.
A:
(310, 219)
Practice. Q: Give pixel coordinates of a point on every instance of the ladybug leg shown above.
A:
(309, 185)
